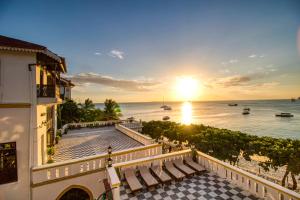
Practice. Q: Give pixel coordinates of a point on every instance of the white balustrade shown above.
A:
(256, 185)
(79, 167)
(145, 140)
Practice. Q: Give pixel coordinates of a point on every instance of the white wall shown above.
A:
(41, 111)
(93, 182)
(14, 80)
(14, 127)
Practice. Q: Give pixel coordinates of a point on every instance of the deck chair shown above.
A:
(163, 177)
(182, 167)
(178, 175)
(198, 168)
(147, 176)
(132, 180)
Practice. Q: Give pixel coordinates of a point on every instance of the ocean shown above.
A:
(261, 121)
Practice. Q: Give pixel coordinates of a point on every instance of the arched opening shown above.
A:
(75, 192)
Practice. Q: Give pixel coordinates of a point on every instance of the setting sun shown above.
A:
(187, 88)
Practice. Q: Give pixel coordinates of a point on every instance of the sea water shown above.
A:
(261, 120)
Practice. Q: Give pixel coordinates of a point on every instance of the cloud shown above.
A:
(97, 53)
(238, 80)
(85, 79)
(116, 54)
(232, 61)
(256, 56)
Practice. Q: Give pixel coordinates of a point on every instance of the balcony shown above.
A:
(48, 94)
(220, 181)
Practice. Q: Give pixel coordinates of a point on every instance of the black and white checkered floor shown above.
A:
(206, 186)
(91, 141)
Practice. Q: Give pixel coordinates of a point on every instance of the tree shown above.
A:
(87, 105)
(69, 112)
(229, 145)
(112, 110)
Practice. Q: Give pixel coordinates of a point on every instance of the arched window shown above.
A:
(75, 192)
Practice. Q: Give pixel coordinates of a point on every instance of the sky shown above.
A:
(136, 51)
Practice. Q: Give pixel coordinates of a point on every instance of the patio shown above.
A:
(91, 141)
(205, 186)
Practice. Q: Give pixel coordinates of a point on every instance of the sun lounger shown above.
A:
(178, 175)
(147, 176)
(182, 167)
(132, 180)
(163, 177)
(189, 161)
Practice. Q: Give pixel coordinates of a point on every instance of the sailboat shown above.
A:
(165, 107)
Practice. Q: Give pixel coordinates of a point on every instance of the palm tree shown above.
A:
(87, 105)
(112, 109)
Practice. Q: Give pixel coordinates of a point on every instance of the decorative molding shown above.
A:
(67, 177)
(15, 105)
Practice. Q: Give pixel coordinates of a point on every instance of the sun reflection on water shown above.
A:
(186, 113)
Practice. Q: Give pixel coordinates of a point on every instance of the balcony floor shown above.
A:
(206, 186)
(91, 141)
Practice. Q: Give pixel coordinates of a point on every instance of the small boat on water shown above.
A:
(232, 104)
(284, 115)
(167, 108)
(293, 99)
(165, 118)
(246, 111)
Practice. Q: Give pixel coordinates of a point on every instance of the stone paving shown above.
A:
(205, 186)
(91, 141)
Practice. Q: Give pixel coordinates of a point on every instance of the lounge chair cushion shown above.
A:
(179, 164)
(189, 161)
(147, 176)
(132, 180)
(161, 174)
(172, 170)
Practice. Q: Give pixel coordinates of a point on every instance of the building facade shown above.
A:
(30, 90)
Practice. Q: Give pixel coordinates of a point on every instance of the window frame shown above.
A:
(11, 151)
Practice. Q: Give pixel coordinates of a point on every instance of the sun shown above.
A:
(187, 88)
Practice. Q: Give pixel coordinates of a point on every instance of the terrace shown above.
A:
(220, 180)
(92, 141)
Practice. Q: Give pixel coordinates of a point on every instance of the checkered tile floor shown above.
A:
(206, 186)
(91, 141)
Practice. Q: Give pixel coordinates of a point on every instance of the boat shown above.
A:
(284, 115)
(293, 99)
(165, 118)
(164, 106)
(246, 111)
(232, 104)
(167, 108)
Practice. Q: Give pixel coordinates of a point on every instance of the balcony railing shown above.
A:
(79, 167)
(145, 140)
(255, 185)
(46, 91)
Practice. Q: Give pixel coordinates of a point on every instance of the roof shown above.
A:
(12, 44)
(66, 82)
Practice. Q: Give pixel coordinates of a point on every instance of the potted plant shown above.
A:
(57, 138)
(50, 153)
